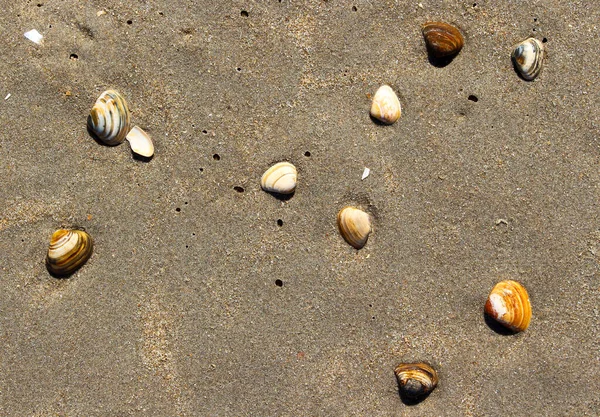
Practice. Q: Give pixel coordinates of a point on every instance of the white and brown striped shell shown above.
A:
(354, 225)
(527, 58)
(109, 118)
(280, 178)
(68, 251)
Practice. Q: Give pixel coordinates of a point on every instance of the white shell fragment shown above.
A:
(280, 178)
(386, 106)
(34, 36)
(140, 142)
(527, 57)
(366, 173)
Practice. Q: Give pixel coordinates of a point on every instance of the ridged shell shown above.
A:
(527, 58)
(69, 250)
(140, 142)
(509, 305)
(109, 118)
(280, 178)
(354, 225)
(386, 106)
(442, 39)
(415, 380)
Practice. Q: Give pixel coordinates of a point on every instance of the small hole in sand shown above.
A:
(238, 189)
(244, 13)
(279, 283)
(473, 98)
(279, 222)
(216, 157)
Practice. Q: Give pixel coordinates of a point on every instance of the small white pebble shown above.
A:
(366, 173)
(100, 13)
(34, 36)
(7, 96)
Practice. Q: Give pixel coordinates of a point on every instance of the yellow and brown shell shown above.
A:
(68, 251)
(415, 380)
(508, 304)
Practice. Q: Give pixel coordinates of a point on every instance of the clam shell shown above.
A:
(68, 251)
(109, 118)
(527, 58)
(140, 142)
(354, 225)
(386, 106)
(280, 178)
(442, 40)
(415, 380)
(509, 305)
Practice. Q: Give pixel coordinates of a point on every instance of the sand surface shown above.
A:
(204, 300)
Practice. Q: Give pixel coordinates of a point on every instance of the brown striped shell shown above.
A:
(68, 251)
(109, 118)
(416, 380)
(354, 225)
(509, 305)
(442, 40)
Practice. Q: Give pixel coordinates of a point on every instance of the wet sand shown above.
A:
(202, 299)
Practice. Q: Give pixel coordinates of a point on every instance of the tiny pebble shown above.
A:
(7, 96)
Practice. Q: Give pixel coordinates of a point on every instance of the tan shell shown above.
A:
(354, 225)
(68, 251)
(386, 106)
(140, 142)
(509, 305)
(109, 118)
(442, 40)
(416, 380)
(280, 178)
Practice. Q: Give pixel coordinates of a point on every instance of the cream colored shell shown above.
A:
(109, 118)
(386, 106)
(140, 142)
(354, 225)
(280, 178)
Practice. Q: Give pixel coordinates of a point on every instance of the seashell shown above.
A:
(140, 142)
(109, 118)
(509, 305)
(442, 40)
(69, 250)
(527, 58)
(280, 178)
(386, 106)
(415, 380)
(354, 225)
